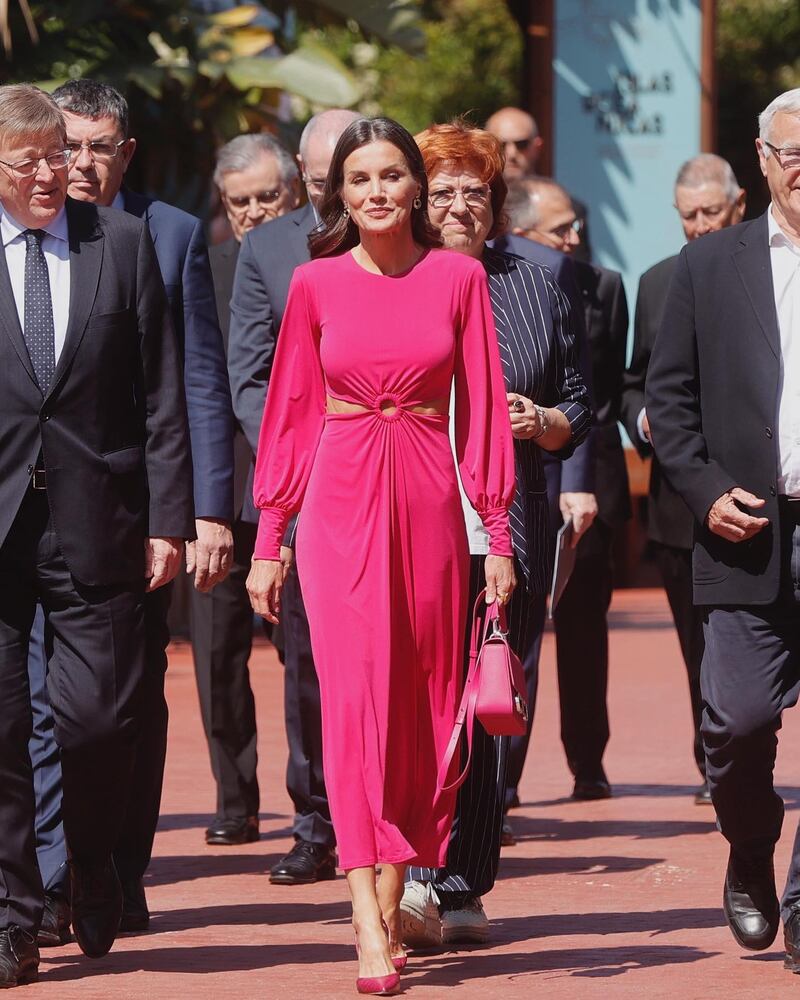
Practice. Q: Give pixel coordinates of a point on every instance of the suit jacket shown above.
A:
(535, 331)
(606, 318)
(578, 474)
(669, 520)
(267, 259)
(183, 259)
(712, 398)
(112, 429)
(223, 260)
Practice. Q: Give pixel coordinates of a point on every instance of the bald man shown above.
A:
(519, 134)
(267, 259)
(707, 198)
(541, 210)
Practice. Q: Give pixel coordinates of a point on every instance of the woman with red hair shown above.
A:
(548, 409)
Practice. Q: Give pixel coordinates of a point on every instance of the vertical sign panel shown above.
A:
(627, 115)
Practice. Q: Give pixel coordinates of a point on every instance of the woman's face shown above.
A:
(379, 188)
(460, 206)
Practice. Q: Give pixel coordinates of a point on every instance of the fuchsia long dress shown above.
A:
(381, 544)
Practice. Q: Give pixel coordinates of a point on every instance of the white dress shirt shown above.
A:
(55, 247)
(784, 259)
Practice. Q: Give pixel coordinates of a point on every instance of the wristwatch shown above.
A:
(544, 425)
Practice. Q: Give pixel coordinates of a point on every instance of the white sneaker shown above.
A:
(420, 922)
(468, 925)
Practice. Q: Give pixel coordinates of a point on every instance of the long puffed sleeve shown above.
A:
(484, 445)
(294, 416)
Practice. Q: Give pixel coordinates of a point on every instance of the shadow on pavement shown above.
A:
(516, 867)
(511, 929)
(201, 958)
(452, 969)
(546, 828)
(199, 821)
(186, 868)
(245, 914)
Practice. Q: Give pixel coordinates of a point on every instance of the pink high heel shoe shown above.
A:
(400, 962)
(379, 986)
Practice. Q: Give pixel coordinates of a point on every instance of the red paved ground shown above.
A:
(617, 898)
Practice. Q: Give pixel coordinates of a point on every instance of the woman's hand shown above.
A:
(500, 579)
(264, 585)
(525, 421)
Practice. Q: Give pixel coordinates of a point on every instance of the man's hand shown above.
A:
(210, 557)
(162, 560)
(646, 428)
(582, 508)
(728, 521)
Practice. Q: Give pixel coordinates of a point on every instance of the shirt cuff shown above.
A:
(272, 523)
(640, 426)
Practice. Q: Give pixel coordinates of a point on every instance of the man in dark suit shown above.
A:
(257, 180)
(708, 198)
(722, 401)
(267, 259)
(97, 134)
(542, 211)
(95, 495)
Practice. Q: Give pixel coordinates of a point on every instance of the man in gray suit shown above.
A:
(267, 259)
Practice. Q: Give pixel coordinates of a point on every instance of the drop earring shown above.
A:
(345, 211)
(417, 202)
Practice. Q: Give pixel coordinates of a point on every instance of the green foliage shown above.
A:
(472, 64)
(758, 51)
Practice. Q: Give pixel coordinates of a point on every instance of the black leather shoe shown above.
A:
(19, 958)
(791, 940)
(589, 788)
(96, 906)
(750, 902)
(135, 914)
(304, 864)
(56, 918)
(702, 797)
(240, 830)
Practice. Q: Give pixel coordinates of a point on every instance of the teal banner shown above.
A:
(627, 115)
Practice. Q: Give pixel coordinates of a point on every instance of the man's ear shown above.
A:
(127, 152)
(741, 205)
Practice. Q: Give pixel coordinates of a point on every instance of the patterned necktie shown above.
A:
(39, 332)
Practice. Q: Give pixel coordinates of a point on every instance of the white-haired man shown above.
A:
(267, 259)
(707, 197)
(723, 404)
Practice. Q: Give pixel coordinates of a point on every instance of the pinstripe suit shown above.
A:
(537, 349)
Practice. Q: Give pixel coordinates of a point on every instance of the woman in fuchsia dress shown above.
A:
(355, 430)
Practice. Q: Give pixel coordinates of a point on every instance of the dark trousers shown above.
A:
(473, 853)
(222, 640)
(750, 674)
(51, 848)
(581, 629)
(304, 777)
(94, 682)
(676, 572)
(518, 745)
(144, 783)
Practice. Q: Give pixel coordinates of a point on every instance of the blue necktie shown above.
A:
(39, 331)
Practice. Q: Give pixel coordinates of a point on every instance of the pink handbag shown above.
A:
(494, 691)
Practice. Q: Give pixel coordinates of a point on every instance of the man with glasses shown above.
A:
(541, 210)
(95, 502)
(723, 406)
(258, 181)
(707, 198)
(96, 118)
(267, 259)
(519, 136)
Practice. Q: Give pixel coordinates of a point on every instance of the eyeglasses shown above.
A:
(788, 157)
(240, 203)
(97, 150)
(316, 184)
(474, 197)
(562, 232)
(27, 168)
(521, 144)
